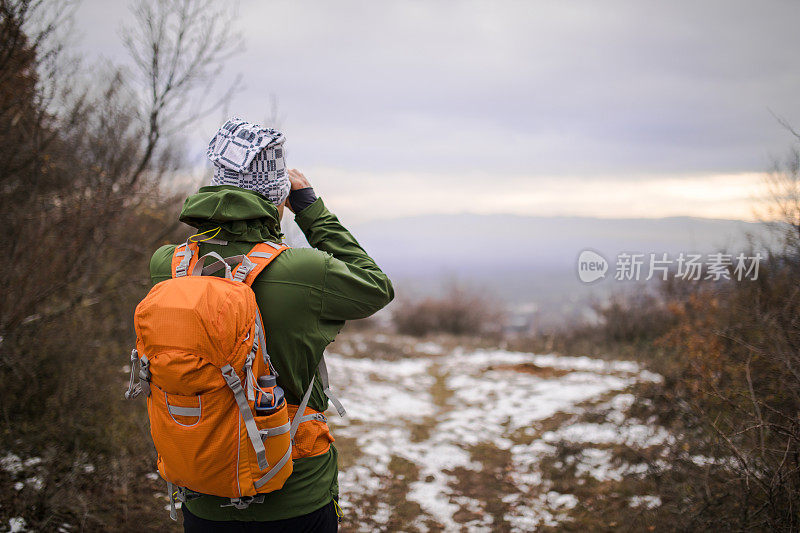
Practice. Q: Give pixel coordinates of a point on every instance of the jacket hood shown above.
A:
(242, 214)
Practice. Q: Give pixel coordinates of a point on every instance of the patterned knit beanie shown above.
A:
(251, 157)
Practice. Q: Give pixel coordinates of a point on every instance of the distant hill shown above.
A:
(468, 243)
(530, 262)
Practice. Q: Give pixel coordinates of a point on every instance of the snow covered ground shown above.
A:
(453, 440)
(444, 438)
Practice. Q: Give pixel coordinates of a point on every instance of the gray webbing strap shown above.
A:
(232, 261)
(271, 432)
(248, 365)
(273, 245)
(262, 339)
(274, 470)
(301, 409)
(235, 384)
(314, 416)
(144, 375)
(199, 266)
(216, 266)
(183, 267)
(244, 269)
(300, 416)
(326, 387)
(248, 373)
(181, 494)
(264, 255)
(133, 390)
(184, 411)
(171, 493)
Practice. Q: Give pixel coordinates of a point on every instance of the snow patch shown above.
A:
(11, 463)
(648, 502)
(387, 400)
(429, 348)
(16, 524)
(639, 435)
(35, 482)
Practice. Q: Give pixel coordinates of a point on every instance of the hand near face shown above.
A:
(298, 181)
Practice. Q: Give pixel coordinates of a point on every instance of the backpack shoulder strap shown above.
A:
(184, 258)
(256, 260)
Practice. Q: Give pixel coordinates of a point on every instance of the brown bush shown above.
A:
(80, 175)
(460, 311)
(740, 347)
(730, 355)
(739, 344)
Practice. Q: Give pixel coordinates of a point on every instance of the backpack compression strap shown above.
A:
(184, 258)
(257, 260)
(251, 266)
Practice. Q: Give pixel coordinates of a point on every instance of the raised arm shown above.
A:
(354, 287)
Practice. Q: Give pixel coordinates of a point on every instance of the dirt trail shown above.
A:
(456, 440)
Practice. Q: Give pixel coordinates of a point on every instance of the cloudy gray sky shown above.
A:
(536, 107)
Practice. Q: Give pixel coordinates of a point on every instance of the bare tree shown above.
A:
(81, 156)
(783, 185)
(783, 188)
(179, 48)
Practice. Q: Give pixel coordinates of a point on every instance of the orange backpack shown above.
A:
(200, 347)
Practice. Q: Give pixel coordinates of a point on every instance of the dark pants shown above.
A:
(323, 520)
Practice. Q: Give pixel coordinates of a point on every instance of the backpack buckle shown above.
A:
(244, 502)
(144, 375)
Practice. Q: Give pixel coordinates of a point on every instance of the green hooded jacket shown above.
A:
(305, 296)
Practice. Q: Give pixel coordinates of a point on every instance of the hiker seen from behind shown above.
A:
(230, 340)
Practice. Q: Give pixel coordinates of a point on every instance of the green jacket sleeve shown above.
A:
(354, 286)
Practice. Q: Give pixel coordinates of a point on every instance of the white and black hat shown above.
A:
(251, 157)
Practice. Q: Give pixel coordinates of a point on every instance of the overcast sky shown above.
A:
(590, 108)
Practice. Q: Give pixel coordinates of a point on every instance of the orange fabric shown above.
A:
(313, 437)
(189, 328)
(186, 450)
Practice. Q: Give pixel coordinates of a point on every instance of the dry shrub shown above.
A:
(639, 317)
(460, 311)
(80, 175)
(735, 349)
(730, 355)
(740, 348)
